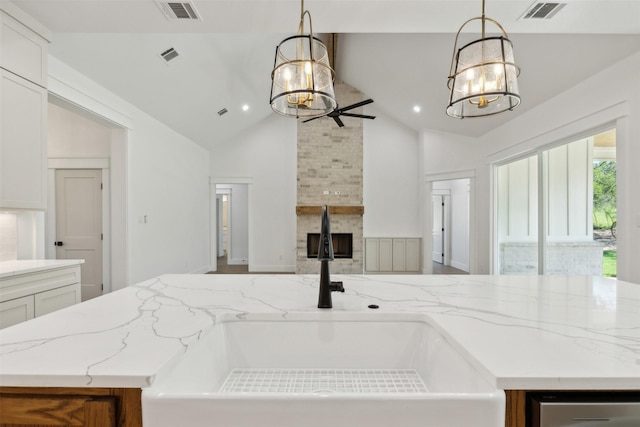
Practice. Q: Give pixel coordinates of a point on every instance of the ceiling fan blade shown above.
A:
(359, 104)
(338, 121)
(313, 118)
(362, 116)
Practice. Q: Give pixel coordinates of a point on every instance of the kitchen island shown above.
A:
(521, 333)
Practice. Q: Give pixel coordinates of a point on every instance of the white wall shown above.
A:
(265, 156)
(391, 180)
(611, 96)
(70, 135)
(166, 178)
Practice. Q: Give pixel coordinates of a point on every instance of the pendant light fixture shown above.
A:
(302, 78)
(483, 78)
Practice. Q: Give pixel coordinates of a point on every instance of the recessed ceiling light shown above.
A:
(245, 107)
(416, 108)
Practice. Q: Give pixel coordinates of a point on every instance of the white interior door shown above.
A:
(437, 230)
(79, 224)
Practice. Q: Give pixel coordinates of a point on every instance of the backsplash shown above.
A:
(330, 173)
(8, 236)
(21, 235)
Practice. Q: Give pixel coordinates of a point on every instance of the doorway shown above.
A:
(232, 227)
(79, 224)
(450, 233)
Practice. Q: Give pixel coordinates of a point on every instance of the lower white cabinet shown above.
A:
(16, 310)
(389, 255)
(29, 295)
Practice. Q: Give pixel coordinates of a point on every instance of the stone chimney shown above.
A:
(330, 173)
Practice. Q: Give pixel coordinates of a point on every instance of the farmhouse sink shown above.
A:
(313, 370)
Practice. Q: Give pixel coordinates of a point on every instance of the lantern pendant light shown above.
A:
(302, 78)
(483, 78)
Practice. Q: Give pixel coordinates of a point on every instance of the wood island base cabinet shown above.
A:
(53, 406)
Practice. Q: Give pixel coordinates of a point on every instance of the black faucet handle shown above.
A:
(337, 287)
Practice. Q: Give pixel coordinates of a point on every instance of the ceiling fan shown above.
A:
(335, 114)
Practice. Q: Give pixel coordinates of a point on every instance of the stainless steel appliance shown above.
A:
(585, 410)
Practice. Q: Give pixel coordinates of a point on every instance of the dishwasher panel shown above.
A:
(556, 412)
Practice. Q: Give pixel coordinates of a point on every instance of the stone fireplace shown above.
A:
(330, 173)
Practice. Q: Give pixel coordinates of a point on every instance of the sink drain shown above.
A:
(323, 381)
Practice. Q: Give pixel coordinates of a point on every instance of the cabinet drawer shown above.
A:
(55, 299)
(23, 51)
(33, 283)
(16, 311)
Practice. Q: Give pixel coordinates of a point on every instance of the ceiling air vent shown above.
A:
(178, 10)
(223, 111)
(169, 54)
(543, 10)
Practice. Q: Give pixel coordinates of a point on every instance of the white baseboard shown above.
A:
(237, 261)
(460, 266)
(201, 270)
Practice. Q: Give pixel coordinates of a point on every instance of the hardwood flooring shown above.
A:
(225, 268)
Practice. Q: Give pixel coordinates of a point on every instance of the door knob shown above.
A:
(58, 243)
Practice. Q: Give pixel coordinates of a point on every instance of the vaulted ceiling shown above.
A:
(397, 52)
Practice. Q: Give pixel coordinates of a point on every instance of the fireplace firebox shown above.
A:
(342, 245)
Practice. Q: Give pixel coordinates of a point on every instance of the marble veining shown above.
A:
(520, 332)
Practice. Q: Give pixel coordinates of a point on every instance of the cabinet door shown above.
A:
(23, 114)
(55, 299)
(371, 254)
(22, 51)
(385, 258)
(399, 255)
(16, 310)
(18, 410)
(412, 258)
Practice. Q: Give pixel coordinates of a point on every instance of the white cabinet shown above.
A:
(23, 117)
(398, 255)
(55, 299)
(33, 294)
(23, 52)
(16, 310)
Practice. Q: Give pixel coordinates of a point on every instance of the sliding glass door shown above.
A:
(517, 216)
(545, 211)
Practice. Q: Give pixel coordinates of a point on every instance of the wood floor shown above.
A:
(446, 269)
(225, 268)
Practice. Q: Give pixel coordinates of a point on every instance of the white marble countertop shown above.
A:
(521, 332)
(14, 268)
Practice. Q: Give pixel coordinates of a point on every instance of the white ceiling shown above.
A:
(395, 51)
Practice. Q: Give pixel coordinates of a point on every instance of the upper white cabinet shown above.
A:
(23, 116)
(23, 51)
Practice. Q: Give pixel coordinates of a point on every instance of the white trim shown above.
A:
(78, 163)
(448, 176)
(83, 101)
(568, 132)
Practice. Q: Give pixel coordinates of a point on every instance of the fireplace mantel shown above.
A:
(333, 210)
